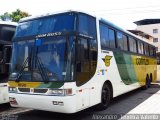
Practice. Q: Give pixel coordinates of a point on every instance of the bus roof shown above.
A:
(8, 23)
(54, 13)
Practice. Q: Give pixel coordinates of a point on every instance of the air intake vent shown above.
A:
(24, 90)
(37, 90)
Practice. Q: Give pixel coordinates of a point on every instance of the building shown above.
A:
(151, 27)
(143, 35)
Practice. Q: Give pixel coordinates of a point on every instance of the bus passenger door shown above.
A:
(82, 73)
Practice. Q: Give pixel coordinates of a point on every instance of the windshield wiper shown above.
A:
(29, 61)
(22, 69)
(40, 65)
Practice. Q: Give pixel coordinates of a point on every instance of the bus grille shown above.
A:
(37, 90)
(24, 90)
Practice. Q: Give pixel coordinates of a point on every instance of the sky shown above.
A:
(121, 12)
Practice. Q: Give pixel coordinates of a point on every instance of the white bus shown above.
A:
(69, 61)
(7, 30)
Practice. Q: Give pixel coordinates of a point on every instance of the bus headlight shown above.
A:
(56, 92)
(12, 89)
(60, 92)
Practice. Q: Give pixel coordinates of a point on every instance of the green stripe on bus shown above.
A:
(125, 67)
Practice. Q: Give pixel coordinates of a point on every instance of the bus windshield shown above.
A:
(6, 33)
(45, 59)
(61, 22)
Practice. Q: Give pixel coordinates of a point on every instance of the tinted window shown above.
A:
(7, 32)
(111, 38)
(82, 64)
(132, 45)
(104, 36)
(146, 49)
(86, 61)
(140, 48)
(87, 25)
(107, 37)
(120, 40)
(151, 51)
(93, 57)
(125, 44)
(56, 23)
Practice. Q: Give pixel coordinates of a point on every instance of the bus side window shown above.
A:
(107, 37)
(111, 38)
(151, 51)
(93, 56)
(104, 36)
(122, 41)
(87, 25)
(146, 49)
(125, 43)
(132, 45)
(140, 47)
(155, 54)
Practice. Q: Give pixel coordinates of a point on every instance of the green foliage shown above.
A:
(6, 16)
(18, 14)
(15, 16)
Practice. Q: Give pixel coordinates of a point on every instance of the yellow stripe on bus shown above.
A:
(24, 84)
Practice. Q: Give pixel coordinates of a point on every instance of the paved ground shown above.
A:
(138, 101)
(149, 106)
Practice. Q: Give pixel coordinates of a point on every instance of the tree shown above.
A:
(18, 14)
(15, 16)
(6, 16)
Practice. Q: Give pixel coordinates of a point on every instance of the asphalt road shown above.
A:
(119, 106)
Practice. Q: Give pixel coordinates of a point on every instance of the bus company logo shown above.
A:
(142, 61)
(107, 60)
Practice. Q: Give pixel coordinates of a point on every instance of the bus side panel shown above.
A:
(144, 66)
(119, 71)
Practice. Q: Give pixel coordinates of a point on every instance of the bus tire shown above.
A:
(147, 83)
(106, 96)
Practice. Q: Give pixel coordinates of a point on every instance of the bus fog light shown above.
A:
(53, 91)
(56, 92)
(60, 91)
(12, 89)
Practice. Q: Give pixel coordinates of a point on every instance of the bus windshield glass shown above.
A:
(56, 23)
(6, 33)
(45, 59)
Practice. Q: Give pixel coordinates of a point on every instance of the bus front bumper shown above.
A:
(61, 104)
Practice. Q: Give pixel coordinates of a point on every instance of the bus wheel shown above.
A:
(105, 97)
(148, 83)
